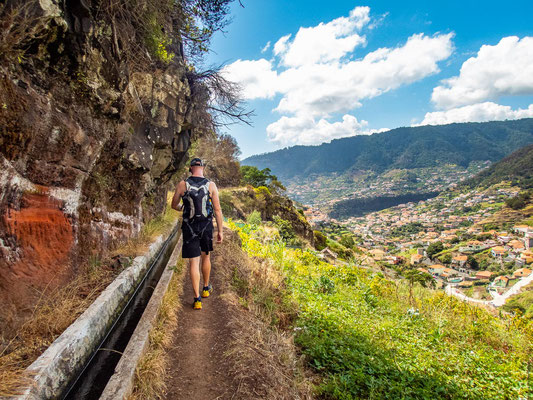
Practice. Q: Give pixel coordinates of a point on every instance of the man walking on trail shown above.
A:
(200, 202)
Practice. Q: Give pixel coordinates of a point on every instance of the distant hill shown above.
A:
(402, 148)
(517, 168)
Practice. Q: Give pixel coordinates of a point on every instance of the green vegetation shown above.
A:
(434, 248)
(366, 338)
(411, 228)
(516, 168)
(320, 240)
(285, 228)
(518, 202)
(254, 218)
(255, 177)
(521, 303)
(404, 148)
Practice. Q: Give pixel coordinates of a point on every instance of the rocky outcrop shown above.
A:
(88, 146)
(240, 202)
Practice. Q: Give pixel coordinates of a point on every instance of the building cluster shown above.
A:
(403, 234)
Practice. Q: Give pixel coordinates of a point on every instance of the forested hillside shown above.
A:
(516, 168)
(402, 148)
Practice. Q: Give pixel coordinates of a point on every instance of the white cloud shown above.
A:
(305, 130)
(281, 45)
(322, 89)
(500, 70)
(324, 42)
(256, 77)
(317, 76)
(267, 46)
(480, 112)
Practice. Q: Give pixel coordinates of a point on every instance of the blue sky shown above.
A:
(354, 68)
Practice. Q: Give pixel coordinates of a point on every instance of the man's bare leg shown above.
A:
(194, 265)
(206, 267)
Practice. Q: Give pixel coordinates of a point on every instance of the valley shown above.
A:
(355, 193)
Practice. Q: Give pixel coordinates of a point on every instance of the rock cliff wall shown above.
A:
(88, 144)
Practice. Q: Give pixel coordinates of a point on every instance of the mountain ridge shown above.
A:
(517, 167)
(404, 147)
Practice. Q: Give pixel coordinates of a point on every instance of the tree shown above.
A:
(347, 240)
(446, 258)
(472, 262)
(414, 276)
(434, 248)
(285, 228)
(221, 154)
(256, 177)
(518, 202)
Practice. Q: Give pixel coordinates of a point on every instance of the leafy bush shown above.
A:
(522, 303)
(518, 202)
(320, 240)
(472, 262)
(325, 285)
(225, 203)
(285, 229)
(434, 248)
(254, 218)
(446, 258)
(347, 240)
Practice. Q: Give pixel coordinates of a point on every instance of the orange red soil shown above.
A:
(43, 235)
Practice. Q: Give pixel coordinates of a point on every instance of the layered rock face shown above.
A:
(87, 147)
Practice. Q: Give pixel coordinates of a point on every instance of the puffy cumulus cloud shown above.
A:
(256, 77)
(500, 70)
(324, 42)
(317, 77)
(322, 89)
(305, 130)
(480, 112)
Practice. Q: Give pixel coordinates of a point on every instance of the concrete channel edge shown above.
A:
(53, 369)
(120, 386)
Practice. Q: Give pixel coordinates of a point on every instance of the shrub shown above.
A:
(320, 240)
(285, 228)
(518, 202)
(254, 218)
(434, 248)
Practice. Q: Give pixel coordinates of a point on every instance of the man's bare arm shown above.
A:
(218, 211)
(180, 191)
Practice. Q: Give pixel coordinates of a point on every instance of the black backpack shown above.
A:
(197, 204)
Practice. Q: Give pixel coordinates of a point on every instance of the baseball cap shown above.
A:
(197, 162)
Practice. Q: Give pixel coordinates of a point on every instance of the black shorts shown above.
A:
(199, 241)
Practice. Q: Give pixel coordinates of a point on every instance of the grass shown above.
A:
(53, 313)
(22, 342)
(150, 373)
(262, 348)
(160, 225)
(360, 333)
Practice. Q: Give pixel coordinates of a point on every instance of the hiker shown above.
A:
(200, 202)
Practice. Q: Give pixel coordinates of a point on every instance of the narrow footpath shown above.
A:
(198, 369)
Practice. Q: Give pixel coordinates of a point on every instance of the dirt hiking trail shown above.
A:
(198, 368)
(224, 351)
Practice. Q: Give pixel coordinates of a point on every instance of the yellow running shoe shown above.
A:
(197, 304)
(207, 291)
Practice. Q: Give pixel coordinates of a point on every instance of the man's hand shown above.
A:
(220, 237)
